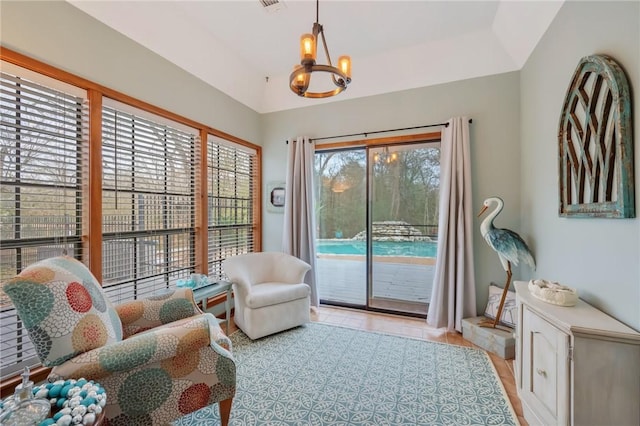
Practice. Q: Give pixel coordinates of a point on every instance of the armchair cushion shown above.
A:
(144, 314)
(63, 309)
(268, 294)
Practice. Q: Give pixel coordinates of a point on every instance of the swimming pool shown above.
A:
(380, 248)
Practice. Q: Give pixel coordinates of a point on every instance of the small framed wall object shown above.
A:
(275, 197)
(595, 140)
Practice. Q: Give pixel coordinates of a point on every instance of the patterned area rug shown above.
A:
(319, 374)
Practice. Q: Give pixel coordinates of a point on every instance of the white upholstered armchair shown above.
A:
(269, 292)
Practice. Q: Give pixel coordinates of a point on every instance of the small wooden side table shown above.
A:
(201, 294)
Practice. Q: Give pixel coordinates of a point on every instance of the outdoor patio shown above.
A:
(342, 278)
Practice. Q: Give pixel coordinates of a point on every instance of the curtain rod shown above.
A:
(380, 131)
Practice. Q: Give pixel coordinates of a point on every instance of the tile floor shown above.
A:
(416, 328)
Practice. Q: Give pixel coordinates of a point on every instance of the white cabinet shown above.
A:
(575, 365)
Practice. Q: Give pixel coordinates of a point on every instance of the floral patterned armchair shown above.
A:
(158, 359)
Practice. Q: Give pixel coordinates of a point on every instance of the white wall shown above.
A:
(61, 35)
(493, 104)
(600, 257)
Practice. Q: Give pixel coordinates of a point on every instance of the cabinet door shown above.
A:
(545, 369)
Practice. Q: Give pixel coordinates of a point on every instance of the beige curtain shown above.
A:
(298, 237)
(453, 296)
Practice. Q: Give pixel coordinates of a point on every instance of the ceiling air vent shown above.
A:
(271, 5)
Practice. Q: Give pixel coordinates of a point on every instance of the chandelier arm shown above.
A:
(326, 49)
(338, 82)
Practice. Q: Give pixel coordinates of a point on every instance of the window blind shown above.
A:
(43, 132)
(148, 201)
(231, 186)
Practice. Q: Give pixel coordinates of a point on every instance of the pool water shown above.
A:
(380, 248)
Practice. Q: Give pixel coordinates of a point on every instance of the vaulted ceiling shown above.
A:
(247, 50)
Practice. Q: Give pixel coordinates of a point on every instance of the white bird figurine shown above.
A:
(510, 247)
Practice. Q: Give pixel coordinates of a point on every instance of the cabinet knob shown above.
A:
(541, 372)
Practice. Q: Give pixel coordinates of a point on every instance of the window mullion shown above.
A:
(165, 206)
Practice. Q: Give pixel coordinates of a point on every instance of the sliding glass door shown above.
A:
(403, 199)
(341, 217)
(377, 215)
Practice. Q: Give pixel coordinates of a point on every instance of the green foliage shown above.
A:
(405, 187)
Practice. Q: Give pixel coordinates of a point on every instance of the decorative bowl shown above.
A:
(554, 293)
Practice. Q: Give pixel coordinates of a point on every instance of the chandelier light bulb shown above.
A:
(344, 64)
(302, 79)
(307, 48)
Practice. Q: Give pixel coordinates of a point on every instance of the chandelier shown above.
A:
(301, 76)
(385, 156)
